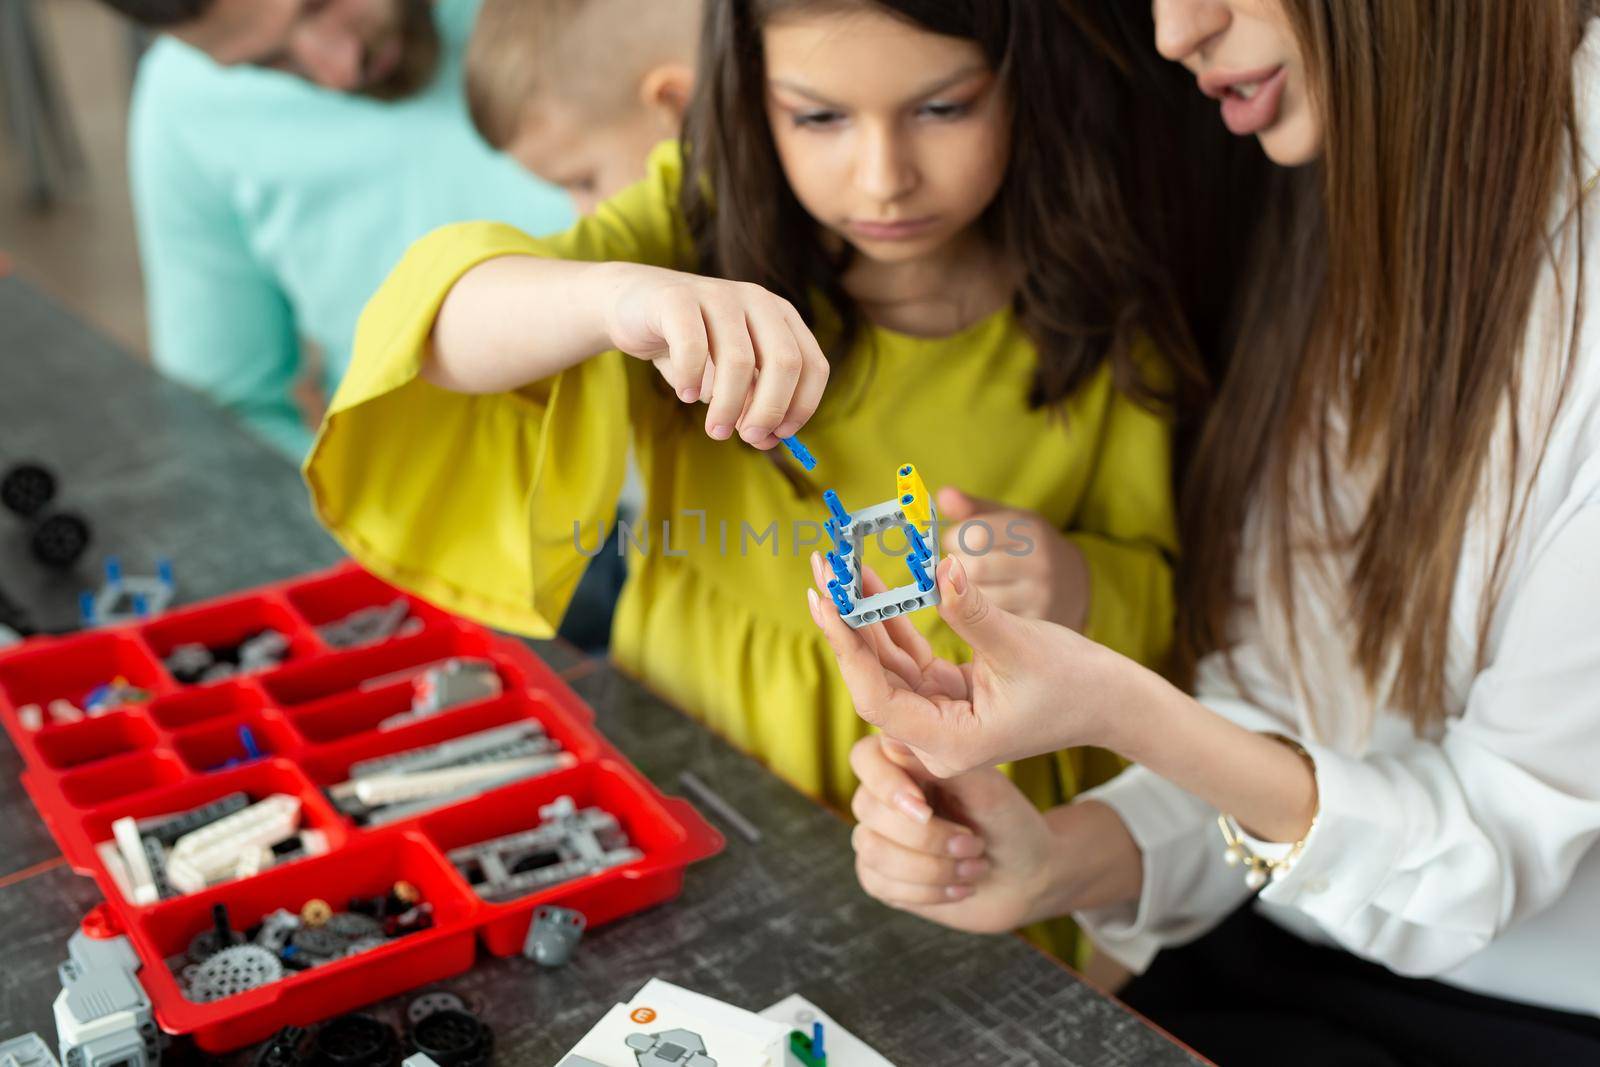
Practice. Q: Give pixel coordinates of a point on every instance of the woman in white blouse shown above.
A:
(1369, 837)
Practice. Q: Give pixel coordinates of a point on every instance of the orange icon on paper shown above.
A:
(643, 1015)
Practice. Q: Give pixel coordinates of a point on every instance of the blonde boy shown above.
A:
(579, 91)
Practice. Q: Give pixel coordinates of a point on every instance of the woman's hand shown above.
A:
(1021, 562)
(733, 345)
(1031, 687)
(973, 853)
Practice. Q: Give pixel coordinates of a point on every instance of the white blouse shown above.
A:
(1468, 856)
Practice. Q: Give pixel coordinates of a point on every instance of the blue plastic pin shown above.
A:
(836, 508)
(248, 740)
(919, 547)
(920, 573)
(164, 571)
(841, 598)
(800, 452)
(841, 543)
(113, 569)
(141, 606)
(840, 569)
(816, 1041)
(86, 608)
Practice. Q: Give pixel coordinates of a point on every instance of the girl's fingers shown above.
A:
(814, 373)
(892, 658)
(688, 348)
(894, 860)
(735, 359)
(779, 366)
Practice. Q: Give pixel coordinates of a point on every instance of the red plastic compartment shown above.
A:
(312, 718)
(667, 830)
(258, 780)
(227, 623)
(365, 868)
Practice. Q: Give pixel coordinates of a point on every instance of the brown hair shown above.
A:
(1393, 297)
(588, 50)
(1077, 213)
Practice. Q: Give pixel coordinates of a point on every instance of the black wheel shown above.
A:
(60, 540)
(356, 1041)
(27, 488)
(453, 1039)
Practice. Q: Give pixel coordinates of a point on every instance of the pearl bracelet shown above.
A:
(1260, 869)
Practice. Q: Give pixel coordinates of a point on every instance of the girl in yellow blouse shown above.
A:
(881, 183)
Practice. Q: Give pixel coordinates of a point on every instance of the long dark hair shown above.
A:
(1086, 214)
(1394, 291)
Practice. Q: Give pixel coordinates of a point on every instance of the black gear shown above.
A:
(60, 539)
(453, 1039)
(27, 488)
(355, 1041)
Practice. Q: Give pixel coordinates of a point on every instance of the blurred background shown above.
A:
(66, 221)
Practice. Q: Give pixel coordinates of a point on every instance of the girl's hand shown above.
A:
(736, 346)
(1021, 562)
(973, 853)
(1031, 687)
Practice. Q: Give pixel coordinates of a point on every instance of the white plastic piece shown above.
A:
(31, 716)
(111, 858)
(392, 788)
(313, 842)
(212, 852)
(252, 862)
(140, 877)
(64, 711)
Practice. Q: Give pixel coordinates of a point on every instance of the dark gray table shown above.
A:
(160, 472)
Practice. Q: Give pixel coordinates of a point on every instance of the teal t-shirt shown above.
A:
(270, 210)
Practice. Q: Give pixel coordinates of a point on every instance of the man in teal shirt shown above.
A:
(284, 154)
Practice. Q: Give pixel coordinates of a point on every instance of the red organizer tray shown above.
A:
(312, 722)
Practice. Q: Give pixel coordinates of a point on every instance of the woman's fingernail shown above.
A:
(964, 846)
(913, 806)
(721, 431)
(958, 576)
(815, 605)
(971, 870)
(957, 892)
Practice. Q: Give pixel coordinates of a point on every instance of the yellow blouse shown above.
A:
(491, 505)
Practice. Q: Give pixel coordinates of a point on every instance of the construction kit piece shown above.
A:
(103, 1017)
(452, 1038)
(389, 788)
(197, 664)
(29, 1050)
(234, 846)
(423, 1005)
(670, 1048)
(566, 845)
(127, 599)
(719, 807)
(369, 626)
(912, 512)
(140, 863)
(800, 452)
(439, 687)
(221, 962)
(809, 1049)
(554, 935)
(56, 539)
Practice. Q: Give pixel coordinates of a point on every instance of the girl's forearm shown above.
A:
(513, 320)
(1264, 784)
